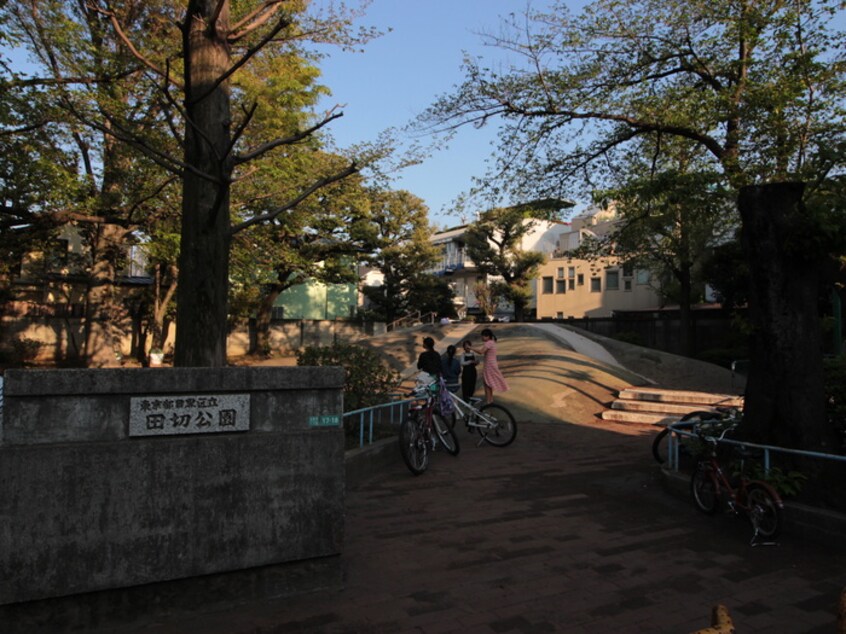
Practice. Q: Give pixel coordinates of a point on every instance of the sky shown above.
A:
(399, 74)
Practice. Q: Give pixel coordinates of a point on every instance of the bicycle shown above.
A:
(494, 422)
(709, 486)
(422, 429)
(720, 415)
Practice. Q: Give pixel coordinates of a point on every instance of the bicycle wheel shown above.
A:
(446, 436)
(659, 447)
(413, 445)
(703, 489)
(498, 426)
(764, 511)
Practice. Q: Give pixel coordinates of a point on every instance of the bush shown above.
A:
(25, 349)
(367, 380)
(629, 336)
(834, 380)
(723, 356)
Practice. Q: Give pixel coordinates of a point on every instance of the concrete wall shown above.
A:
(60, 338)
(86, 507)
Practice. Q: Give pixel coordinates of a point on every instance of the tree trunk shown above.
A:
(104, 316)
(263, 317)
(784, 393)
(685, 313)
(202, 292)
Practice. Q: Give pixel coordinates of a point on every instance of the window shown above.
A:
(581, 279)
(612, 280)
(547, 285)
(560, 272)
(559, 315)
(627, 285)
(595, 285)
(560, 286)
(571, 272)
(571, 284)
(628, 269)
(642, 277)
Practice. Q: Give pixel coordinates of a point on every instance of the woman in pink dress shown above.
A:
(491, 376)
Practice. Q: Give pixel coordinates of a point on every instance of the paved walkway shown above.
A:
(566, 530)
(569, 529)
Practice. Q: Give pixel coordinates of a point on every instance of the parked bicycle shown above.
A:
(710, 487)
(495, 424)
(721, 415)
(423, 429)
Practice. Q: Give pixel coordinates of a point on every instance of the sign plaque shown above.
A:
(188, 414)
(331, 420)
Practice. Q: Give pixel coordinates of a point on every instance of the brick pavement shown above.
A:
(569, 529)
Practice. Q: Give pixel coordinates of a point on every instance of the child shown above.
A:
(491, 374)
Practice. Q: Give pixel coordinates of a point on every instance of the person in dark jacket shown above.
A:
(429, 360)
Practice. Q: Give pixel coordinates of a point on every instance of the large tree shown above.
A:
(756, 85)
(79, 71)
(495, 245)
(156, 82)
(673, 210)
(399, 230)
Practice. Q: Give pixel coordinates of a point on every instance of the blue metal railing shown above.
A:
(678, 430)
(396, 411)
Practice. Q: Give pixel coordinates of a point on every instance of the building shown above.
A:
(572, 287)
(463, 274)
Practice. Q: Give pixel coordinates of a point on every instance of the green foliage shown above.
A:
(760, 96)
(786, 483)
(368, 381)
(629, 337)
(398, 229)
(725, 269)
(835, 394)
(494, 243)
(25, 350)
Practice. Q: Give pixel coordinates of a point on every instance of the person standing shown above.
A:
(429, 360)
(491, 375)
(469, 361)
(451, 369)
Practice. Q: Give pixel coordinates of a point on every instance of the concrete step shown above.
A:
(639, 418)
(671, 409)
(656, 395)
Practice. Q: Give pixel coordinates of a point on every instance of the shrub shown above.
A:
(629, 336)
(25, 349)
(367, 380)
(834, 380)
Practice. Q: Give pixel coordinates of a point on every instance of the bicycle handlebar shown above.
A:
(714, 439)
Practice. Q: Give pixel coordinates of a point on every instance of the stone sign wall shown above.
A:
(117, 478)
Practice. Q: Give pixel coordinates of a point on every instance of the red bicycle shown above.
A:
(422, 429)
(756, 499)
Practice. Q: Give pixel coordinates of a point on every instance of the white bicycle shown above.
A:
(494, 422)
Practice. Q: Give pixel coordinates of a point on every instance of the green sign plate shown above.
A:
(331, 420)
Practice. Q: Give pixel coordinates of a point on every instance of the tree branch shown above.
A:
(274, 213)
(299, 136)
(128, 43)
(254, 19)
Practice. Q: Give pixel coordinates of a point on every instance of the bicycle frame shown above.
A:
(737, 496)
